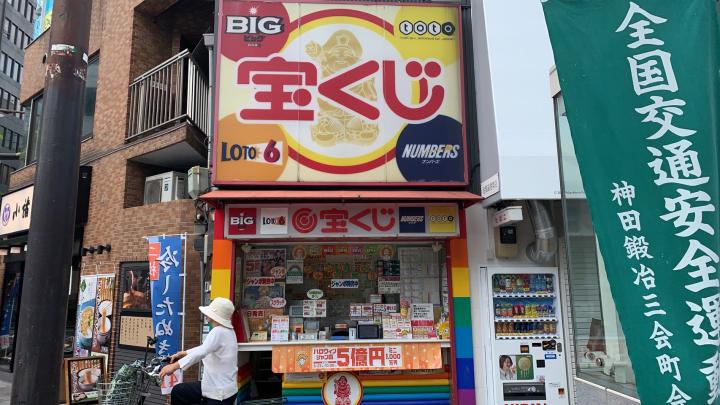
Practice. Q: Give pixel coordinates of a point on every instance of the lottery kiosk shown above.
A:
(347, 299)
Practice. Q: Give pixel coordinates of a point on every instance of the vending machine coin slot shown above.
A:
(524, 391)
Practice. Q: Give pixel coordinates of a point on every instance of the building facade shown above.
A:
(147, 74)
(18, 17)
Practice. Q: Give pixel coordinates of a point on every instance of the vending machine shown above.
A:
(527, 361)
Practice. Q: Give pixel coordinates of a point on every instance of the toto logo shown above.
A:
(433, 28)
(442, 218)
(6, 214)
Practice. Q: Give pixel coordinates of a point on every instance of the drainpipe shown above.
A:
(542, 251)
(209, 40)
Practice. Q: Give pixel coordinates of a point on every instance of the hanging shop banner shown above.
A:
(348, 357)
(103, 314)
(167, 301)
(85, 322)
(344, 220)
(645, 129)
(327, 93)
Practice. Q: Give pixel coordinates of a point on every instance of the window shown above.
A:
(8, 101)
(5, 171)
(34, 128)
(11, 67)
(17, 36)
(10, 139)
(29, 11)
(354, 280)
(25, 7)
(90, 96)
(601, 355)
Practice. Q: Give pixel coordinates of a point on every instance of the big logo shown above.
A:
(242, 221)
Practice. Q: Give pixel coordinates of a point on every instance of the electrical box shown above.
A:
(508, 216)
(198, 180)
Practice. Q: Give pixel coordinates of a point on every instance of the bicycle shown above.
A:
(131, 384)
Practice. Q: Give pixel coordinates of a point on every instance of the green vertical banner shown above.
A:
(641, 86)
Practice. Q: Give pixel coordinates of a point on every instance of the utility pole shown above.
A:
(50, 242)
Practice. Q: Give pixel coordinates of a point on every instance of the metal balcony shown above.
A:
(174, 91)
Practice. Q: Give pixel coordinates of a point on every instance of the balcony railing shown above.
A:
(173, 91)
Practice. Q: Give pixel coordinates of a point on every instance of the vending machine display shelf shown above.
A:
(510, 319)
(523, 295)
(526, 337)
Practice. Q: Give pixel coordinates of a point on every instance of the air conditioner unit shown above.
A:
(165, 187)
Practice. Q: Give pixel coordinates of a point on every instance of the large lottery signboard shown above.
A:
(329, 93)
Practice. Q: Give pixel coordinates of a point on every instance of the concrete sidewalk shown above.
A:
(4, 392)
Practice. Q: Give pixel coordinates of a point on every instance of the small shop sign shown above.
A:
(356, 357)
(346, 220)
(15, 211)
(344, 283)
(315, 294)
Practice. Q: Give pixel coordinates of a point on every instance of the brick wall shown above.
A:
(129, 42)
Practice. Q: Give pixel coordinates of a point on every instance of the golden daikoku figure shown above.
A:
(341, 51)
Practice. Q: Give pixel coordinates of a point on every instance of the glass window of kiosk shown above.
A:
(601, 355)
(343, 291)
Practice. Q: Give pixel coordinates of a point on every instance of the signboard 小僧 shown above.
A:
(347, 220)
(15, 211)
(358, 93)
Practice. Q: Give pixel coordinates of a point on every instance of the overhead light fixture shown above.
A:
(3, 251)
(246, 248)
(104, 248)
(15, 249)
(437, 246)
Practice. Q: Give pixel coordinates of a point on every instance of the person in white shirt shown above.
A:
(219, 356)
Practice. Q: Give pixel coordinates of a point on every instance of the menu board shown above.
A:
(134, 331)
(81, 378)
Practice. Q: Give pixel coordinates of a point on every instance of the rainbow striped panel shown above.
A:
(464, 367)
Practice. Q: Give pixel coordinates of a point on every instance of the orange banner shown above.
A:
(348, 356)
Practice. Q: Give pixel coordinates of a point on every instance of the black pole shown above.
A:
(50, 243)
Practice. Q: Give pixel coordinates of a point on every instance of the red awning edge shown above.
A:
(464, 197)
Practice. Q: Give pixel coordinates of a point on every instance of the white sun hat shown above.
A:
(220, 310)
